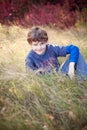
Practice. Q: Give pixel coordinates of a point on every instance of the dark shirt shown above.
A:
(49, 60)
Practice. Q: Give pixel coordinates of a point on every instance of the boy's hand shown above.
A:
(71, 70)
(40, 71)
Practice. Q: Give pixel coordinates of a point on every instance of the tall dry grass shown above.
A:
(49, 102)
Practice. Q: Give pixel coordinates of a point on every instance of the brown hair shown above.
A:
(37, 34)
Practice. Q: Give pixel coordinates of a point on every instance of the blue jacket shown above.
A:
(49, 60)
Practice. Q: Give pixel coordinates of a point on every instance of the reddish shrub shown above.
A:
(27, 14)
(11, 10)
(50, 15)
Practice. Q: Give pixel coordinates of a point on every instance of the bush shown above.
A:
(12, 10)
(25, 13)
(30, 102)
(53, 15)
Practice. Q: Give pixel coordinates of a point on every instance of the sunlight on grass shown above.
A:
(49, 102)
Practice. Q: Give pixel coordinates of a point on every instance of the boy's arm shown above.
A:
(29, 65)
(71, 71)
(74, 54)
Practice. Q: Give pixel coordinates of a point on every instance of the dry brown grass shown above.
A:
(34, 103)
(13, 38)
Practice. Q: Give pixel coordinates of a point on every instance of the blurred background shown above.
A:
(55, 13)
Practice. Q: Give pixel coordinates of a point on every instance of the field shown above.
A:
(49, 102)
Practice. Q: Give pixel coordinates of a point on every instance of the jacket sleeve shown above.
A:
(74, 53)
(29, 65)
(59, 50)
(64, 50)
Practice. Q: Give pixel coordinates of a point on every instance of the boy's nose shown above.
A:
(39, 46)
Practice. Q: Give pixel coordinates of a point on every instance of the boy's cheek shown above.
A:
(34, 48)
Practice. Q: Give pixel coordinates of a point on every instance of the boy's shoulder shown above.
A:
(30, 54)
(50, 46)
(53, 47)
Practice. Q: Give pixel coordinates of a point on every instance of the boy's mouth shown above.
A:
(40, 51)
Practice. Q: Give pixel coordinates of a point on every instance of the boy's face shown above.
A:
(39, 47)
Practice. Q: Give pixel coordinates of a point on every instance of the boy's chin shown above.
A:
(40, 53)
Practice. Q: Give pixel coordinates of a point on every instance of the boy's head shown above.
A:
(37, 38)
(37, 34)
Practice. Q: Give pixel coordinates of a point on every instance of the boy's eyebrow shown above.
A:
(35, 43)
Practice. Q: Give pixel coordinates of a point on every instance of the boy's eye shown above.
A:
(35, 44)
(41, 43)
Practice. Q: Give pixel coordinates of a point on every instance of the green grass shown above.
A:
(30, 102)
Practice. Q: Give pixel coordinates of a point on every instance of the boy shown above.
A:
(43, 57)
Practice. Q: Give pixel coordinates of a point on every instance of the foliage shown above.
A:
(82, 19)
(62, 14)
(12, 10)
(53, 15)
(30, 102)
